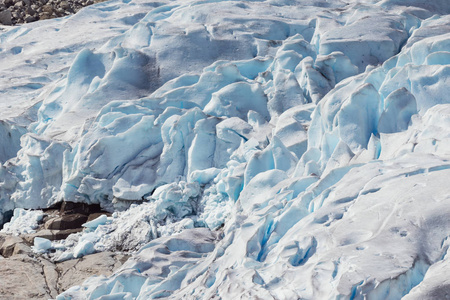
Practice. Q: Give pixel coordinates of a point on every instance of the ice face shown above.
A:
(313, 135)
(111, 131)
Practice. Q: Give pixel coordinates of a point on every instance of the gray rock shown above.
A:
(51, 276)
(25, 277)
(47, 8)
(64, 5)
(22, 248)
(12, 245)
(51, 235)
(44, 16)
(6, 17)
(20, 14)
(29, 19)
(66, 221)
(79, 208)
(30, 11)
(74, 272)
(22, 278)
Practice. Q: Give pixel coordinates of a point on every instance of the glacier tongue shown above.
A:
(311, 139)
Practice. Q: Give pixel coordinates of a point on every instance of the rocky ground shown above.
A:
(24, 275)
(25, 11)
(64, 219)
(27, 275)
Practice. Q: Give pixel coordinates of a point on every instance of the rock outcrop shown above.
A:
(25, 275)
(63, 219)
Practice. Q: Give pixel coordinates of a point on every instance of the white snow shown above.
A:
(310, 138)
(23, 221)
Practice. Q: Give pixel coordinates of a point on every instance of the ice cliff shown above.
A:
(248, 149)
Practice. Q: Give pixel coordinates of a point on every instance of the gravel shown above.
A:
(14, 12)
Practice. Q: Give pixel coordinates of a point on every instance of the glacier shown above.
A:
(273, 149)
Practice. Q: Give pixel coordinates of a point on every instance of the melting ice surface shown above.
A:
(271, 149)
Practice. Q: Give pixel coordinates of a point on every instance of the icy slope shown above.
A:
(315, 133)
(89, 111)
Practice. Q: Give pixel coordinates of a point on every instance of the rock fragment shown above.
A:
(6, 17)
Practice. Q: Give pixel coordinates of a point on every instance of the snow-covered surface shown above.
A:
(23, 222)
(311, 138)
